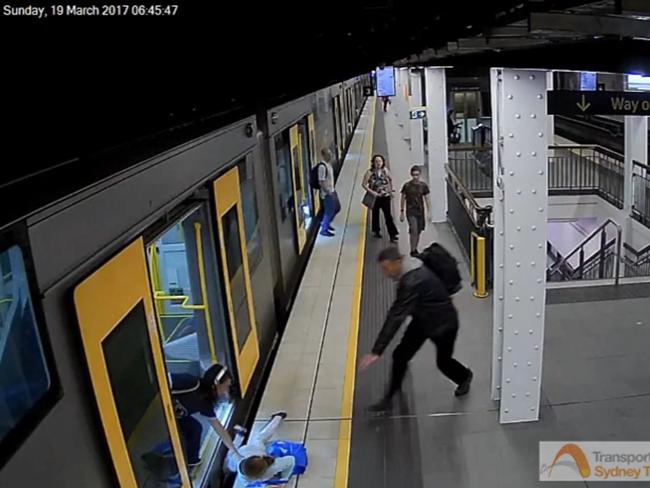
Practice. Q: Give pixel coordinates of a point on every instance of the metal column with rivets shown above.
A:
(520, 146)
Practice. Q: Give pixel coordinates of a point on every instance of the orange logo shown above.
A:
(578, 456)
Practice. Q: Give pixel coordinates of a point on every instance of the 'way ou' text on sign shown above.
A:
(562, 102)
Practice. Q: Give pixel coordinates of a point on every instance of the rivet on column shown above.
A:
(514, 365)
(511, 135)
(534, 227)
(512, 246)
(530, 331)
(516, 332)
(512, 210)
(541, 172)
(516, 77)
(539, 96)
(538, 315)
(509, 97)
(532, 299)
(518, 154)
(534, 378)
(510, 349)
(517, 116)
(532, 77)
(514, 395)
(507, 380)
(510, 316)
(533, 116)
(506, 410)
(532, 264)
(540, 134)
(511, 282)
(533, 154)
(529, 364)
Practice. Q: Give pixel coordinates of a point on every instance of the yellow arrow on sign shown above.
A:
(584, 105)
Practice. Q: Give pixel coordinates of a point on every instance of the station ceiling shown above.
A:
(76, 86)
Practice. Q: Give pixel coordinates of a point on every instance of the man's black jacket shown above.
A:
(423, 296)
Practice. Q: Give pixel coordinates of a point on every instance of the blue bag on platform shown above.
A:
(285, 448)
(288, 448)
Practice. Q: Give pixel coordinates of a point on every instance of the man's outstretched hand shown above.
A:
(367, 360)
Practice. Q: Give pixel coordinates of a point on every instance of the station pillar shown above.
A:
(520, 146)
(437, 157)
(636, 149)
(417, 130)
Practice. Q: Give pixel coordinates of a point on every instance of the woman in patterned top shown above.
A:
(379, 182)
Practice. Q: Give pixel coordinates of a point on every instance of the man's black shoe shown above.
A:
(415, 253)
(282, 415)
(463, 388)
(377, 235)
(326, 233)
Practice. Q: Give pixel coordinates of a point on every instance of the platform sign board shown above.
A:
(385, 81)
(418, 113)
(566, 102)
(367, 91)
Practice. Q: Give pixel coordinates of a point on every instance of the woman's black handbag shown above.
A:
(369, 200)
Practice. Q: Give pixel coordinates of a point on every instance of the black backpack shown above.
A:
(444, 265)
(314, 182)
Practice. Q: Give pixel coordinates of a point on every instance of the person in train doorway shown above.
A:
(415, 205)
(379, 182)
(331, 204)
(193, 395)
(424, 297)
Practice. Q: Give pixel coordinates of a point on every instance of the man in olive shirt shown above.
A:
(414, 200)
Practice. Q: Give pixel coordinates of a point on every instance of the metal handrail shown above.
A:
(601, 227)
(481, 211)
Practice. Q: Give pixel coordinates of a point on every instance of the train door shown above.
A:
(120, 338)
(300, 165)
(338, 132)
(187, 291)
(314, 158)
(236, 274)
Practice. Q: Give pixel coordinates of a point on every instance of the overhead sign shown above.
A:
(418, 113)
(565, 102)
(385, 81)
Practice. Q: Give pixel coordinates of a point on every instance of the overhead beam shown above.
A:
(498, 43)
(636, 6)
(589, 24)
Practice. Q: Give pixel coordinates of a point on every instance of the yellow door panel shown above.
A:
(120, 339)
(298, 190)
(237, 284)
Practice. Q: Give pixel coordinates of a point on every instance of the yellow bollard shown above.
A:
(480, 280)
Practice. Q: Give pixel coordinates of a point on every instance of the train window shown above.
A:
(26, 378)
(283, 165)
(236, 276)
(131, 370)
(250, 210)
